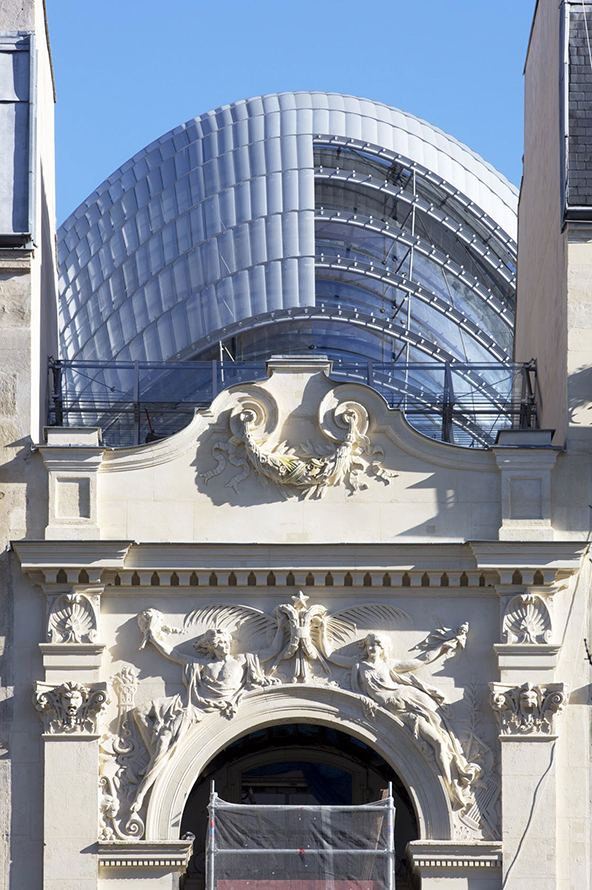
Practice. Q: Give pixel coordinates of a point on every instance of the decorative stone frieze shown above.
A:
(527, 620)
(527, 710)
(71, 708)
(237, 649)
(441, 858)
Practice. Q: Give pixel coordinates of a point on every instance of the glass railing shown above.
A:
(463, 404)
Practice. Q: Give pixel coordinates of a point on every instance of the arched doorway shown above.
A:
(297, 763)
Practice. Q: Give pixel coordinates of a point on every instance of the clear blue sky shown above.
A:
(129, 71)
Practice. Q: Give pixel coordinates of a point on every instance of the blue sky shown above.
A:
(128, 71)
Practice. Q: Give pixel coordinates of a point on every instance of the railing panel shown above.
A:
(136, 402)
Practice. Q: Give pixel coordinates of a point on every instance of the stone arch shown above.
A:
(327, 706)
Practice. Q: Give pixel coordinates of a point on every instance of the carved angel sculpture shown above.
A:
(444, 642)
(214, 679)
(392, 685)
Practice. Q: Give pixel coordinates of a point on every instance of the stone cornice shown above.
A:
(56, 564)
(435, 857)
(16, 259)
(553, 555)
(35, 555)
(172, 855)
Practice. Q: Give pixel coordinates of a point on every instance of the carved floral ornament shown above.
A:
(528, 709)
(70, 709)
(225, 651)
(307, 470)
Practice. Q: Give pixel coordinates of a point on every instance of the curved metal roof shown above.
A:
(292, 200)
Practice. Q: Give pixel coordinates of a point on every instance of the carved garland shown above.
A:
(308, 471)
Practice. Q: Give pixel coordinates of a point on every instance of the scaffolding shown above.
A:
(269, 847)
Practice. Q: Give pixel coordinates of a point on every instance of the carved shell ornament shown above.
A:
(72, 620)
(308, 470)
(527, 620)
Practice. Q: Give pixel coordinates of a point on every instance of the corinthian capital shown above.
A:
(72, 708)
(527, 709)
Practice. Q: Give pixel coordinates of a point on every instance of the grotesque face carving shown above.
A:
(529, 701)
(72, 699)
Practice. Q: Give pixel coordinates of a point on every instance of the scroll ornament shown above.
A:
(238, 648)
(306, 471)
(122, 760)
(527, 709)
(72, 708)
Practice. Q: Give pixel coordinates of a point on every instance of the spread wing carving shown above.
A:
(256, 628)
(343, 627)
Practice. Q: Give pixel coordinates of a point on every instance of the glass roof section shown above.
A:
(291, 202)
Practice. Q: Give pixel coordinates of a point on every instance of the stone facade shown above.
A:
(298, 553)
(281, 539)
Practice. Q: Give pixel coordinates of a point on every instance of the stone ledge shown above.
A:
(440, 856)
(71, 656)
(145, 854)
(16, 260)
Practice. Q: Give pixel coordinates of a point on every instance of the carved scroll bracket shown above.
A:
(527, 711)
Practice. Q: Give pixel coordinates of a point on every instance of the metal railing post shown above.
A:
(211, 851)
(447, 406)
(56, 397)
(391, 837)
(136, 400)
(214, 379)
(527, 401)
